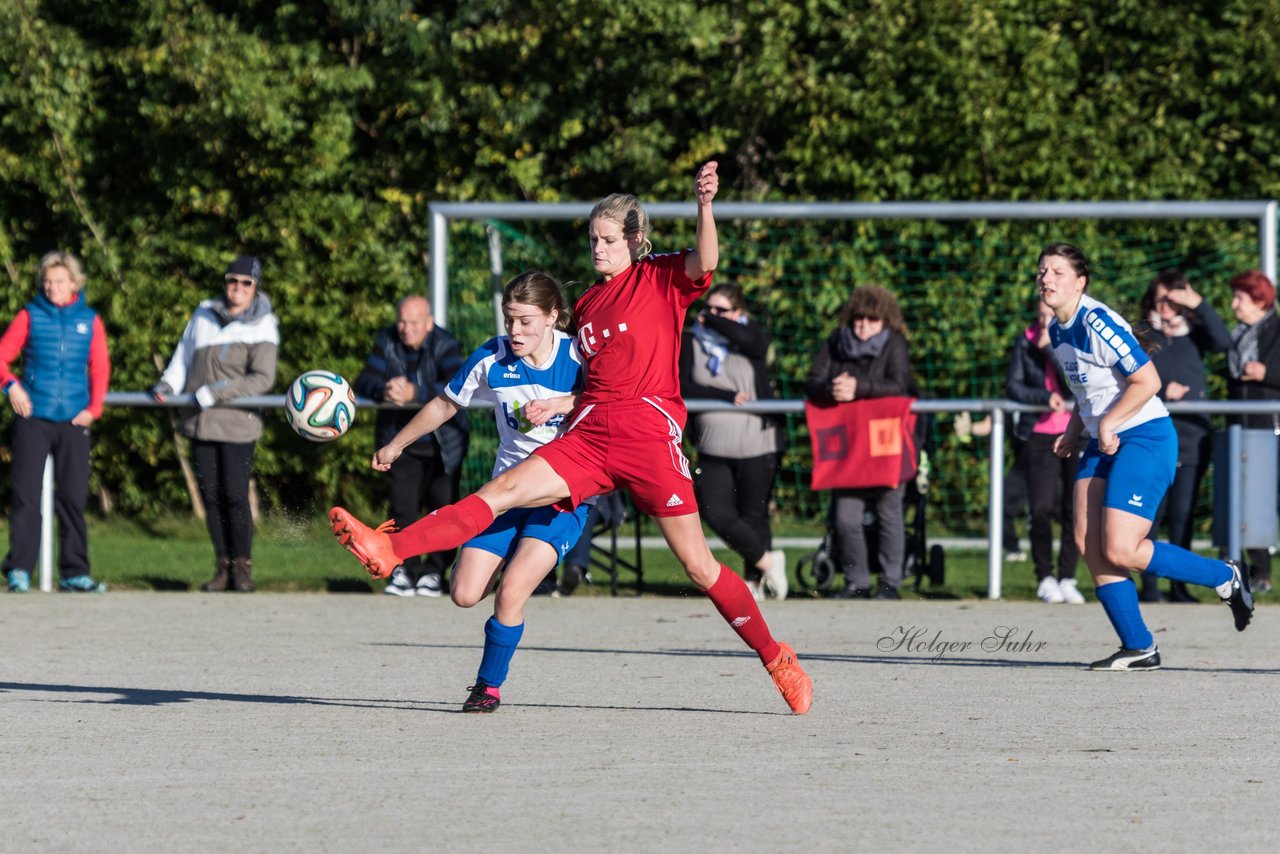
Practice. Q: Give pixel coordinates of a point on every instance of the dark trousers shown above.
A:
(850, 505)
(223, 468)
(1177, 509)
(1051, 491)
(33, 440)
(419, 485)
(1015, 495)
(733, 499)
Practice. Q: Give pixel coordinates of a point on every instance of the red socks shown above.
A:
(735, 603)
(446, 528)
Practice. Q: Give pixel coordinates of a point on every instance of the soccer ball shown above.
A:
(320, 406)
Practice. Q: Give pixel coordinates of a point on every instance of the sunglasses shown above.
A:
(235, 280)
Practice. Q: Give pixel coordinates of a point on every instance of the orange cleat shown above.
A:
(789, 678)
(371, 546)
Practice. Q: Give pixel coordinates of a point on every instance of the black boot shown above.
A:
(242, 575)
(221, 580)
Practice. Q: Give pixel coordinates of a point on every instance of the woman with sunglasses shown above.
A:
(227, 351)
(723, 358)
(866, 357)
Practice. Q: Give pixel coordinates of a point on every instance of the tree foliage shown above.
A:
(157, 138)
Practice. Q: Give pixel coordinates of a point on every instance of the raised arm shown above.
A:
(706, 251)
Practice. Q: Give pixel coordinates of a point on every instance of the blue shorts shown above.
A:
(1139, 473)
(559, 529)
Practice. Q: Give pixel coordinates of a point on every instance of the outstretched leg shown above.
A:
(532, 483)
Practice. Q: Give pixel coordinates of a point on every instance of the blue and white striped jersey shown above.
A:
(1097, 350)
(496, 374)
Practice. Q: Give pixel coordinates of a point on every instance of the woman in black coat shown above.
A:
(1180, 328)
(866, 357)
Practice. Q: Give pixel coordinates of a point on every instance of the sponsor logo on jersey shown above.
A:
(516, 420)
(590, 340)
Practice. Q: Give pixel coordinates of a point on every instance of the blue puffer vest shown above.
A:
(55, 360)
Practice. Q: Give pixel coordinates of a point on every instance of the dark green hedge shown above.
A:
(156, 138)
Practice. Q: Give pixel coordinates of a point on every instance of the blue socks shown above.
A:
(1120, 601)
(1178, 564)
(500, 644)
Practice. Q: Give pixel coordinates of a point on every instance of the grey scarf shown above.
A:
(1244, 346)
(850, 347)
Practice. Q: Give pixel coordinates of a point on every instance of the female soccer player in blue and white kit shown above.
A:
(531, 375)
(1128, 464)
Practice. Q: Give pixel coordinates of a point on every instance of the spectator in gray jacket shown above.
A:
(723, 357)
(227, 351)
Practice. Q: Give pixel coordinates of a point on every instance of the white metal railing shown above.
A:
(995, 507)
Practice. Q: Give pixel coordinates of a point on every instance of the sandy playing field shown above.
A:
(184, 722)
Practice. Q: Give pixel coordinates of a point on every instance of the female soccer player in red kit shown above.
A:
(625, 432)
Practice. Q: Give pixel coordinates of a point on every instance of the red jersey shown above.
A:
(629, 330)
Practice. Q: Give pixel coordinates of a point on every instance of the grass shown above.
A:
(299, 555)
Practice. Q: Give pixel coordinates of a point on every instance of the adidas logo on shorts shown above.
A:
(674, 500)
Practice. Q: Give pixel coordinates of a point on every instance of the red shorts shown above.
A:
(631, 444)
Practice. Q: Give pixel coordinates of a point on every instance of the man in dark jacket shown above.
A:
(410, 364)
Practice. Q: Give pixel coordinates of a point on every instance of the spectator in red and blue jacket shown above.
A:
(65, 373)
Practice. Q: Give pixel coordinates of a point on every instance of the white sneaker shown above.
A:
(1050, 591)
(431, 585)
(756, 588)
(775, 577)
(1070, 592)
(399, 583)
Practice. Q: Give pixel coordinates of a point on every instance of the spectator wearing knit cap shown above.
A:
(227, 351)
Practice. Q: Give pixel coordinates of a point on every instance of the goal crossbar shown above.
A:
(1263, 211)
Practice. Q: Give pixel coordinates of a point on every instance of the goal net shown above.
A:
(966, 288)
